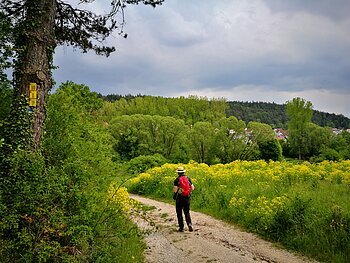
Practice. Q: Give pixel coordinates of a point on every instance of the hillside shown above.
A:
(274, 114)
(265, 112)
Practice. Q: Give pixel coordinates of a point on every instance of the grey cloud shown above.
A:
(217, 46)
(332, 9)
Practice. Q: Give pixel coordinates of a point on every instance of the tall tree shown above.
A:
(260, 132)
(318, 139)
(147, 135)
(230, 139)
(40, 25)
(299, 114)
(202, 138)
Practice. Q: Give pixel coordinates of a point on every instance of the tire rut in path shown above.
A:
(211, 241)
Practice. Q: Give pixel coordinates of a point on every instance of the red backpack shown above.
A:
(184, 184)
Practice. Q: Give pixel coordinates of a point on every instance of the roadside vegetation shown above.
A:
(302, 206)
(61, 204)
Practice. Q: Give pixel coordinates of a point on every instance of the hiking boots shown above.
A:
(190, 228)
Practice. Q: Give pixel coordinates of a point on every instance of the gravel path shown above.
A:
(211, 241)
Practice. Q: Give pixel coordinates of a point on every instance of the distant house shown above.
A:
(336, 131)
(248, 132)
(280, 134)
(248, 135)
(237, 135)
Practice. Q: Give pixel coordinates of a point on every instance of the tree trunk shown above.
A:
(35, 45)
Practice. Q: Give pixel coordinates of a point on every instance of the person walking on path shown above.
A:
(182, 194)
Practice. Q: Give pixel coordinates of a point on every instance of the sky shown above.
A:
(256, 50)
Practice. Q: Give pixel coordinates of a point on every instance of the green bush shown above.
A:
(142, 163)
(327, 154)
(271, 150)
(31, 223)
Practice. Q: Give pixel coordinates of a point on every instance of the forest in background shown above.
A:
(275, 115)
(265, 112)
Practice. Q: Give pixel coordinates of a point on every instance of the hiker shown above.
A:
(182, 193)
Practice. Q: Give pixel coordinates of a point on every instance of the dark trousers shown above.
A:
(183, 204)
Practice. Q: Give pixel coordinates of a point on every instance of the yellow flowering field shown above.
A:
(303, 206)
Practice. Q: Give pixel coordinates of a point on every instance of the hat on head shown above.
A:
(180, 169)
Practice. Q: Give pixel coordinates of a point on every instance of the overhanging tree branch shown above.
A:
(40, 25)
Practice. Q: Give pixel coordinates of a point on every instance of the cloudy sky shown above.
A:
(256, 50)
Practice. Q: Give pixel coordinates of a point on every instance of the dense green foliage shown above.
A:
(270, 150)
(225, 141)
(299, 114)
(143, 128)
(337, 149)
(324, 119)
(55, 203)
(142, 163)
(302, 206)
(147, 135)
(192, 109)
(6, 93)
(265, 112)
(270, 113)
(275, 115)
(181, 129)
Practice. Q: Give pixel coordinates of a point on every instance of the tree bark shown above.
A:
(35, 47)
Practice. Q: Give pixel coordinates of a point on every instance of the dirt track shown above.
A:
(211, 241)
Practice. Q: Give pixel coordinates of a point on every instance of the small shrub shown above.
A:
(271, 150)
